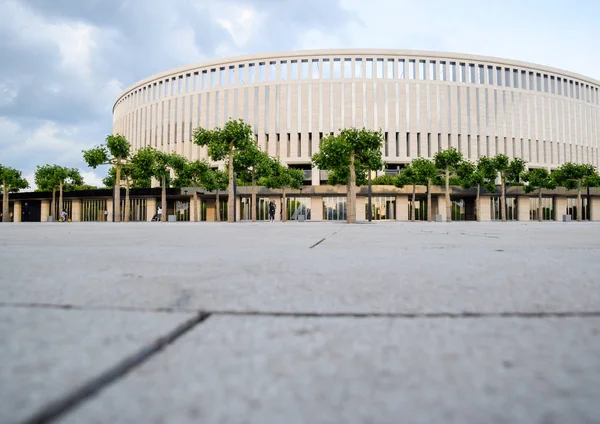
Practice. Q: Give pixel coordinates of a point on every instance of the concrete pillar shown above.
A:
(485, 209)
(75, 210)
(150, 208)
(17, 211)
(109, 208)
(523, 208)
(316, 177)
(238, 208)
(316, 208)
(441, 204)
(193, 208)
(560, 207)
(594, 208)
(361, 214)
(402, 207)
(45, 210)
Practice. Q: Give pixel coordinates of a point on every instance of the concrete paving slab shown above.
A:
(370, 268)
(371, 370)
(46, 353)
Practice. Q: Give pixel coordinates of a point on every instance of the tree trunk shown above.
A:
(127, 207)
(60, 198)
(429, 200)
(352, 193)
(253, 201)
(117, 208)
(283, 206)
(448, 204)
(217, 211)
(5, 212)
(195, 205)
(230, 193)
(53, 208)
(163, 199)
(502, 198)
(414, 209)
(478, 204)
(579, 206)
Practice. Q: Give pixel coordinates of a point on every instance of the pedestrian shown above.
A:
(63, 216)
(272, 211)
(105, 215)
(158, 213)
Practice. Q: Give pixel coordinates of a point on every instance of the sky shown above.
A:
(64, 62)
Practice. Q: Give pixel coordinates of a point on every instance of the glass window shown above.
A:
(577, 90)
(379, 68)
(221, 76)
(213, 78)
(507, 77)
(531, 82)
(358, 68)
(337, 68)
(347, 68)
(390, 68)
(272, 71)
(490, 80)
(524, 80)
(552, 85)
(283, 70)
(315, 69)
(481, 74)
(571, 88)
(443, 76)
(382, 208)
(369, 68)
(231, 75)
(515, 78)
(326, 69)
(472, 76)
(463, 73)
(412, 68)
(294, 70)
(304, 65)
(453, 71)
(499, 76)
(422, 70)
(432, 70)
(251, 73)
(334, 208)
(241, 76)
(545, 83)
(401, 69)
(539, 81)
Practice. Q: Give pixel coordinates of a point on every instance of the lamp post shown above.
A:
(369, 207)
(234, 196)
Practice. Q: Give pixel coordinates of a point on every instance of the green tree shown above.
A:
(426, 172)
(114, 152)
(12, 181)
(447, 162)
(483, 174)
(349, 156)
(192, 174)
(538, 179)
(409, 176)
(574, 176)
(217, 181)
(510, 174)
(222, 144)
(250, 165)
(53, 177)
(282, 177)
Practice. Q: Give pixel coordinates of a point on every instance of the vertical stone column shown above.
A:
(441, 204)
(150, 208)
(316, 176)
(238, 208)
(560, 207)
(75, 210)
(109, 208)
(316, 208)
(45, 210)
(594, 208)
(193, 209)
(485, 209)
(17, 211)
(402, 208)
(523, 208)
(361, 202)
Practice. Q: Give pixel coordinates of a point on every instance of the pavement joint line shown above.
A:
(318, 243)
(62, 406)
(275, 314)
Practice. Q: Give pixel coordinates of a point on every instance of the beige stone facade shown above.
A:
(422, 101)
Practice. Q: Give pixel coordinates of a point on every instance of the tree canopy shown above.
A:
(49, 177)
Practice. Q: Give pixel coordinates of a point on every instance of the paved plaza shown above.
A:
(300, 323)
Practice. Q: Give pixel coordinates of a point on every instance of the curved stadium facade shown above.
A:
(423, 102)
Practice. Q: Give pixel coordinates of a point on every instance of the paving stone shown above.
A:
(370, 370)
(45, 353)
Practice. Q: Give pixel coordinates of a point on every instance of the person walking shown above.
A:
(272, 211)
